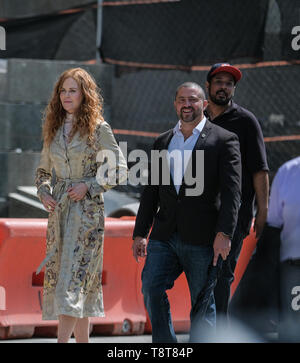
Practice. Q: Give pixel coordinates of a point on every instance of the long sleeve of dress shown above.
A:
(43, 174)
(112, 166)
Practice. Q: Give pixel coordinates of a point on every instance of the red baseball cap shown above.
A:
(224, 67)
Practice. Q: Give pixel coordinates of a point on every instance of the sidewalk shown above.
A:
(182, 338)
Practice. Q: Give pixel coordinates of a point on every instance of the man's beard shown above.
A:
(188, 117)
(221, 101)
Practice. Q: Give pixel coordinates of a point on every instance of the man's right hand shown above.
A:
(139, 247)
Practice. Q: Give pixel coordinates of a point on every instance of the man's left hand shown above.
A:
(222, 246)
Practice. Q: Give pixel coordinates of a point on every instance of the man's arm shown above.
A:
(256, 163)
(261, 187)
(230, 185)
(144, 220)
(230, 188)
(148, 207)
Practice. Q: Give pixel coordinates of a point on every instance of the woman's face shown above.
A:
(70, 95)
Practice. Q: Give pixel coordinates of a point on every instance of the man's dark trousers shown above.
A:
(222, 289)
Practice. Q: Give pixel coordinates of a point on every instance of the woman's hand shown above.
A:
(78, 191)
(49, 203)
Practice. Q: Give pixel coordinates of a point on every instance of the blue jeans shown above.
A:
(165, 261)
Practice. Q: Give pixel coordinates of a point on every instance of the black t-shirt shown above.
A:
(253, 152)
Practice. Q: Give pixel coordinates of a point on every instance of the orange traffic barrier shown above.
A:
(247, 250)
(123, 302)
(22, 248)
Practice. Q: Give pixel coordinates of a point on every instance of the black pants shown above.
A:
(222, 289)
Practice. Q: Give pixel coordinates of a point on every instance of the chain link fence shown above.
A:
(155, 45)
(143, 102)
(170, 48)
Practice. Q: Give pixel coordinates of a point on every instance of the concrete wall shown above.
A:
(32, 81)
(20, 126)
(3, 77)
(17, 168)
(26, 86)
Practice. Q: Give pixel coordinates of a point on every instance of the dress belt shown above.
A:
(70, 180)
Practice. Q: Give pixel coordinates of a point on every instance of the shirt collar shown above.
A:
(196, 130)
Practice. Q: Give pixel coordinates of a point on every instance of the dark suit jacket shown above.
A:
(195, 218)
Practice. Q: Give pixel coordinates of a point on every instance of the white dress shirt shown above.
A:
(180, 150)
(284, 208)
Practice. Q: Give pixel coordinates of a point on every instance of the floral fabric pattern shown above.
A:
(75, 232)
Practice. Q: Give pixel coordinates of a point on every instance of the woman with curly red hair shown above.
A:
(74, 134)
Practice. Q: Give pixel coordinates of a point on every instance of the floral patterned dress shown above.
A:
(75, 232)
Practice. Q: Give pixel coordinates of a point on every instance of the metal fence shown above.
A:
(154, 45)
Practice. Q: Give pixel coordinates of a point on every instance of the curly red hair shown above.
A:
(89, 113)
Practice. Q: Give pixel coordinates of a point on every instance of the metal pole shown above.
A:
(99, 29)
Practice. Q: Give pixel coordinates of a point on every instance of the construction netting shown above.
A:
(154, 45)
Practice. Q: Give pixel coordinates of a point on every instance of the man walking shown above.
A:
(222, 111)
(191, 226)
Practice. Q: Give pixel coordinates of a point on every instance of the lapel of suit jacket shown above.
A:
(163, 145)
(165, 140)
(200, 144)
(203, 136)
